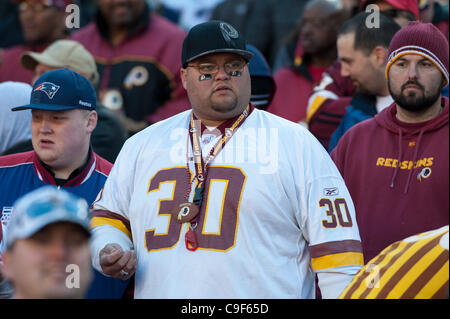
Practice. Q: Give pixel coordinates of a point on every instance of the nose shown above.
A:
(345, 71)
(44, 126)
(222, 74)
(412, 71)
(57, 249)
(306, 29)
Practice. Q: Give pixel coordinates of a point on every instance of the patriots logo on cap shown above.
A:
(48, 88)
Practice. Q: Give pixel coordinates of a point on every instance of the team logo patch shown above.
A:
(424, 173)
(136, 77)
(48, 88)
(332, 191)
(228, 32)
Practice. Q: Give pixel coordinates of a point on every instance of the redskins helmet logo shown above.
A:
(228, 32)
(184, 211)
(424, 173)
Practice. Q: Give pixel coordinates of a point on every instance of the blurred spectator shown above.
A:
(253, 19)
(402, 11)
(187, 13)
(351, 6)
(63, 105)
(263, 85)
(14, 127)
(42, 22)
(312, 50)
(396, 165)
(10, 32)
(87, 10)
(327, 104)
(138, 55)
(48, 254)
(110, 133)
(435, 12)
(263, 22)
(363, 52)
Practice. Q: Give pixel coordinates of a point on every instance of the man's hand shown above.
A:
(118, 263)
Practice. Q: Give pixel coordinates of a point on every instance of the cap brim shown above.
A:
(45, 107)
(41, 223)
(247, 55)
(29, 60)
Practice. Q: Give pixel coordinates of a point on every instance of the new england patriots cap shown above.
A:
(61, 90)
(213, 37)
(44, 206)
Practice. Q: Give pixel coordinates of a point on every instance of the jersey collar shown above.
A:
(78, 176)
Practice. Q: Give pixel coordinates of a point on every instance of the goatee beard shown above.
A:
(413, 102)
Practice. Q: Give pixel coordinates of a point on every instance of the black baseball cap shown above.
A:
(213, 37)
(60, 90)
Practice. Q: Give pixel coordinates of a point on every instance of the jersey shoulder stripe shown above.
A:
(104, 217)
(16, 159)
(335, 254)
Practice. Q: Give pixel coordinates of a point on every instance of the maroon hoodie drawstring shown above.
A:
(394, 176)
(414, 161)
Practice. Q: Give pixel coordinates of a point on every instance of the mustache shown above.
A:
(414, 83)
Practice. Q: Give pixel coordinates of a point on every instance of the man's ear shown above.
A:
(379, 54)
(92, 119)
(183, 76)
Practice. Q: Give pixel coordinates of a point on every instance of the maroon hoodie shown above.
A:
(398, 176)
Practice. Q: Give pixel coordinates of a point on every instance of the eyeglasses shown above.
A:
(213, 68)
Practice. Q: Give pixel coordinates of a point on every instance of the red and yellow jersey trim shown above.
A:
(336, 254)
(103, 217)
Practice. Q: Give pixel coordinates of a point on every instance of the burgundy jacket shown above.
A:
(141, 75)
(10, 67)
(398, 176)
(327, 104)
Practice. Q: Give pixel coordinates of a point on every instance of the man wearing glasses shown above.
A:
(225, 200)
(42, 22)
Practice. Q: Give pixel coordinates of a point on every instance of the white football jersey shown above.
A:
(275, 209)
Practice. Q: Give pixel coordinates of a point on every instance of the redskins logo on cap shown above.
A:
(228, 32)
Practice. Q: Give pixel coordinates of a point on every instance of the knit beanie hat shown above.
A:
(423, 39)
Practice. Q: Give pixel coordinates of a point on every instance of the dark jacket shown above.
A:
(140, 76)
(362, 107)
